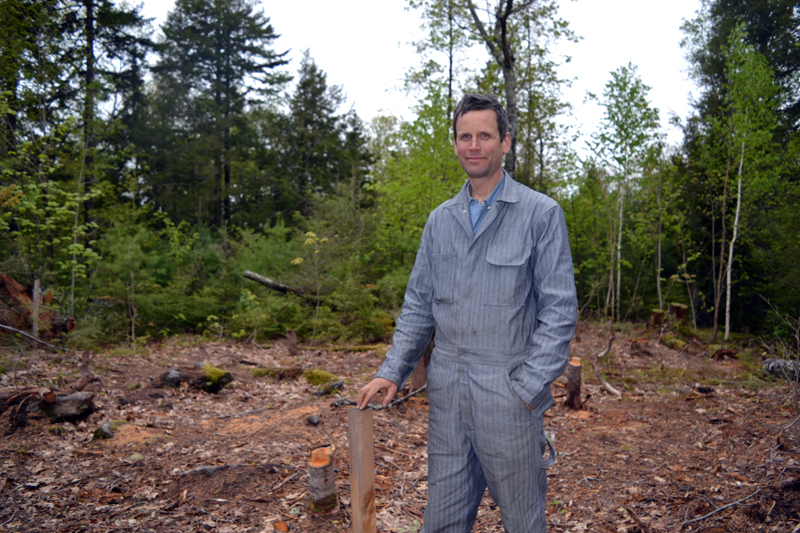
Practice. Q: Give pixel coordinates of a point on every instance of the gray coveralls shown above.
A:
(503, 304)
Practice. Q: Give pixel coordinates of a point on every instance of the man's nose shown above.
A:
(474, 144)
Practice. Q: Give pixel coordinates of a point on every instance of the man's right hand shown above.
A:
(374, 387)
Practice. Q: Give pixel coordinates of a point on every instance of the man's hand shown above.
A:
(374, 387)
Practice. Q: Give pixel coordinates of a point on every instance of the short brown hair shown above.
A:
(479, 102)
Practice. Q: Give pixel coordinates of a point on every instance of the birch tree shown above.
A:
(629, 127)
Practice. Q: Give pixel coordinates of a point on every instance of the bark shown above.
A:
(574, 384)
(321, 482)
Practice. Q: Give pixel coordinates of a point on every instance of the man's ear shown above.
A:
(507, 143)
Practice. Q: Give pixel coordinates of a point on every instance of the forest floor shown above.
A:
(691, 436)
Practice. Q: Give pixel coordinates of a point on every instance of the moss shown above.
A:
(324, 505)
(134, 387)
(318, 377)
(215, 378)
(277, 373)
(116, 424)
(671, 341)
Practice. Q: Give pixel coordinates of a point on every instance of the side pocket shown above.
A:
(443, 275)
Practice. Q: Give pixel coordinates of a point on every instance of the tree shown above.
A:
(215, 60)
(750, 123)
(628, 130)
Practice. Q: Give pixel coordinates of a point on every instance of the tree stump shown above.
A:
(291, 342)
(322, 482)
(678, 311)
(656, 319)
(574, 384)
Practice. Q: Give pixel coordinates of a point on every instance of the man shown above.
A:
(493, 276)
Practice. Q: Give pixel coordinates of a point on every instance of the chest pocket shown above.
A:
(509, 272)
(443, 276)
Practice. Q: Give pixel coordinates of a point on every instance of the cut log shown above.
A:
(574, 384)
(68, 408)
(362, 471)
(274, 285)
(322, 482)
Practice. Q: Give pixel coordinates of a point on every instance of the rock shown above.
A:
(313, 420)
(103, 432)
(782, 368)
(173, 378)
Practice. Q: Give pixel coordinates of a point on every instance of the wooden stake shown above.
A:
(322, 481)
(362, 470)
(574, 384)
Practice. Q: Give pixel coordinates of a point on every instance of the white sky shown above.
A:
(364, 46)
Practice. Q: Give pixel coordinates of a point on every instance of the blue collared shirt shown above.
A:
(477, 210)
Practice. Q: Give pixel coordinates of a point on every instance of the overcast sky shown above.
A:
(364, 46)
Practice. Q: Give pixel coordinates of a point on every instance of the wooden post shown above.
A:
(574, 384)
(321, 481)
(36, 295)
(362, 470)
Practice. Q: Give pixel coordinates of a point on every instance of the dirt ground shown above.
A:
(690, 437)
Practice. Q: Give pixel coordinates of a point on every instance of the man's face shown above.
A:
(478, 144)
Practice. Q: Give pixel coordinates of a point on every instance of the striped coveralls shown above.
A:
(502, 302)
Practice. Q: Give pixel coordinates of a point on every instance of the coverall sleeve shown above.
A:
(556, 312)
(415, 324)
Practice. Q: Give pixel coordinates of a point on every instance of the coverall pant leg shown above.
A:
(481, 433)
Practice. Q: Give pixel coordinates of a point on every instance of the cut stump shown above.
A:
(322, 482)
(573, 400)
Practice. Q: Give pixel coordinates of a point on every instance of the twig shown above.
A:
(715, 511)
(15, 514)
(31, 337)
(593, 358)
(284, 482)
(644, 527)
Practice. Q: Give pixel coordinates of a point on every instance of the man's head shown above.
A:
(479, 102)
(480, 138)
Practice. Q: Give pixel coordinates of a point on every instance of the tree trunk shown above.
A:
(574, 384)
(728, 295)
(619, 250)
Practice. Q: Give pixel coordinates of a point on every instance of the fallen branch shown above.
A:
(342, 402)
(593, 358)
(271, 284)
(715, 511)
(31, 337)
